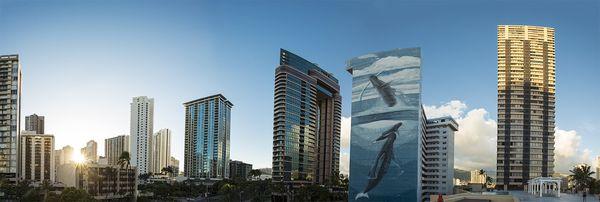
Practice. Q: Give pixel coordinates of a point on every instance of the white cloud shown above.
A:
(475, 140)
(344, 163)
(345, 132)
(345, 146)
(567, 151)
(453, 108)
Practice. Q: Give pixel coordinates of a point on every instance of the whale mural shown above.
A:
(384, 140)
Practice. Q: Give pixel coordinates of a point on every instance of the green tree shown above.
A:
(168, 170)
(254, 173)
(228, 191)
(71, 194)
(581, 176)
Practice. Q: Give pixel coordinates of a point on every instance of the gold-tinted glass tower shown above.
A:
(526, 87)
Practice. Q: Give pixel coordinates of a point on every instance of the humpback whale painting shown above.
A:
(382, 162)
(384, 140)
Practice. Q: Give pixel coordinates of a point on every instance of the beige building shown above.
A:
(106, 182)
(478, 178)
(37, 157)
(526, 100)
(114, 147)
(63, 157)
(90, 151)
(175, 165)
(65, 174)
(161, 150)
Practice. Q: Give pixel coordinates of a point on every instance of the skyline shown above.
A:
(80, 101)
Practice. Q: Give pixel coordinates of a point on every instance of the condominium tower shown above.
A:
(438, 166)
(37, 157)
(207, 126)
(114, 147)
(140, 140)
(34, 123)
(10, 116)
(306, 124)
(161, 150)
(90, 151)
(526, 88)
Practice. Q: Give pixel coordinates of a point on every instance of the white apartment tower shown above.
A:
(10, 102)
(37, 157)
(161, 150)
(438, 167)
(140, 141)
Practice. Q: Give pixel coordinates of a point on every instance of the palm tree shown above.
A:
(255, 173)
(168, 170)
(125, 161)
(581, 176)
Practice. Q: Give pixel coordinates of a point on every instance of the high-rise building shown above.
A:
(34, 123)
(10, 88)
(37, 157)
(478, 177)
(140, 140)
(438, 169)
(526, 88)
(175, 165)
(306, 125)
(239, 170)
(64, 166)
(64, 155)
(114, 147)
(161, 150)
(90, 151)
(207, 132)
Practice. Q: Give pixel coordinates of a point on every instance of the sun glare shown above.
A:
(78, 158)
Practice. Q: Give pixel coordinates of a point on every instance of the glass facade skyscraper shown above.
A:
(306, 124)
(10, 101)
(526, 87)
(207, 132)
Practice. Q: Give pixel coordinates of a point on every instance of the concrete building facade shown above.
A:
(114, 147)
(140, 141)
(239, 169)
(161, 150)
(90, 151)
(438, 173)
(37, 157)
(10, 127)
(34, 123)
(526, 102)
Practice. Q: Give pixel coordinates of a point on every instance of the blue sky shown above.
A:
(84, 60)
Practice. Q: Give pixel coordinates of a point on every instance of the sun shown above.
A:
(78, 158)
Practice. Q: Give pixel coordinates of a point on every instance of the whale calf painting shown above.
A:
(386, 126)
(382, 162)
